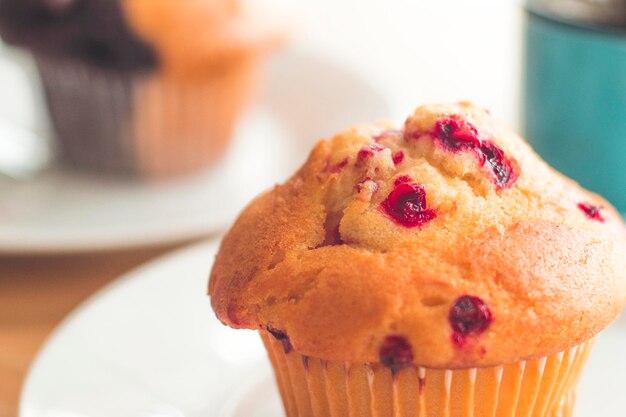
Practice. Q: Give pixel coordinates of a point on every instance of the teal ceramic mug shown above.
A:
(575, 92)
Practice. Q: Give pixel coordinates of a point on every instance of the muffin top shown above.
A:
(193, 37)
(447, 244)
(184, 37)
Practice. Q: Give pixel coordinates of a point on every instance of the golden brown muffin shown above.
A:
(447, 244)
(210, 53)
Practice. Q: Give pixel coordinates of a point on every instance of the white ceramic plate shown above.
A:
(305, 97)
(150, 346)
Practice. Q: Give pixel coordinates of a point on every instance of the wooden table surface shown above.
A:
(36, 293)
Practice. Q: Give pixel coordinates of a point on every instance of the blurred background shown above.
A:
(128, 129)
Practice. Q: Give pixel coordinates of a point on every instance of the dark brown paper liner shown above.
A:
(543, 387)
(143, 125)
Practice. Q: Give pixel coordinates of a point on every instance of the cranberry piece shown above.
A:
(398, 157)
(282, 337)
(468, 316)
(591, 211)
(396, 352)
(402, 179)
(456, 134)
(369, 151)
(406, 204)
(503, 171)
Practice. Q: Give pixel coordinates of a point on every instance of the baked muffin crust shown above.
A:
(449, 241)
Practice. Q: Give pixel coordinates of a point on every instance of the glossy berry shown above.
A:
(468, 316)
(398, 157)
(503, 171)
(369, 151)
(406, 204)
(591, 211)
(402, 179)
(455, 135)
(396, 352)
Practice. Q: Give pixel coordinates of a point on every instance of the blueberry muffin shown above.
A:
(141, 87)
(440, 269)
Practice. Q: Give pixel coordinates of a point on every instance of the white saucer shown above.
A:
(306, 97)
(150, 346)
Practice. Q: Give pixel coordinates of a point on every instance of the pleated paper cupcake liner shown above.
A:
(543, 387)
(185, 125)
(143, 124)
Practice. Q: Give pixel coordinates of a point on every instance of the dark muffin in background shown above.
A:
(148, 88)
